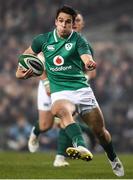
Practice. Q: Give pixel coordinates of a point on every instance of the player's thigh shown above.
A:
(95, 119)
(46, 119)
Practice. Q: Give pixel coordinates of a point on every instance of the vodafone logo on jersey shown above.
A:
(58, 60)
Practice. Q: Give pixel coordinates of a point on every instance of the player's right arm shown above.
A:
(23, 74)
(34, 49)
(30, 51)
(20, 72)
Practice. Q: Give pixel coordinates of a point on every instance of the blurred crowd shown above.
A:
(19, 22)
(113, 89)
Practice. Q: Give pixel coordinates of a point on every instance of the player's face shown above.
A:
(64, 24)
(78, 24)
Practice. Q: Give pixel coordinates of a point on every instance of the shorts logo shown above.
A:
(58, 60)
(68, 46)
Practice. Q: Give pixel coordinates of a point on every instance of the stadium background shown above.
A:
(109, 28)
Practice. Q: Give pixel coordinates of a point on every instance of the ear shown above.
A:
(56, 22)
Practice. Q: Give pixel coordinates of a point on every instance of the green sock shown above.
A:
(109, 150)
(75, 134)
(36, 130)
(63, 142)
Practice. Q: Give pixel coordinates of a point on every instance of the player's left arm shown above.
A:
(88, 61)
(85, 53)
(91, 74)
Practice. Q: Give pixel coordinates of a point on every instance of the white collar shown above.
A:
(55, 36)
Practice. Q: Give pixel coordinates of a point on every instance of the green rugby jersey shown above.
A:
(65, 69)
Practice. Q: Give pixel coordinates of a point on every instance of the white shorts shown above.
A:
(83, 98)
(43, 100)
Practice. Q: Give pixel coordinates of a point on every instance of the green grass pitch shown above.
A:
(39, 166)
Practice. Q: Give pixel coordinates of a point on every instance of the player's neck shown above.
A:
(63, 37)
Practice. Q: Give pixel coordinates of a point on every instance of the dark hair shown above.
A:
(68, 10)
(79, 13)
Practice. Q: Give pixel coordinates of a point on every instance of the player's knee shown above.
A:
(63, 112)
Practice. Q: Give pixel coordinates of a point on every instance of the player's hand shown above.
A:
(90, 65)
(24, 74)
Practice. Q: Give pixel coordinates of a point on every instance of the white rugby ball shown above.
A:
(28, 61)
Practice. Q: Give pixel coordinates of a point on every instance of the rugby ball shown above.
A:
(28, 61)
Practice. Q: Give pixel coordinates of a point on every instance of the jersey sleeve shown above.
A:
(83, 46)
(38, 42)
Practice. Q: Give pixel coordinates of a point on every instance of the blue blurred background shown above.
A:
(109, 28)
